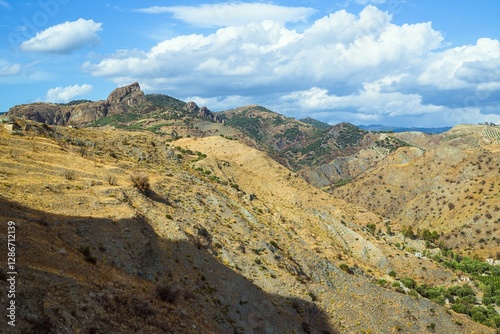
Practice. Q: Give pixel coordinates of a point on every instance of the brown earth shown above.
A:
(230, 242)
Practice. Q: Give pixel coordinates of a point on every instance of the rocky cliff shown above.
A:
(122, 100)
(129, 99)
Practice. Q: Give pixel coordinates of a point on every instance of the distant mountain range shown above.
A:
(386, 128)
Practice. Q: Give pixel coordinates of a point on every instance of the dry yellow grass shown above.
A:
(275, 240)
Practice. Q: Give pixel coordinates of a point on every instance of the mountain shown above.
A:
(315, 123)
(386, 128)
(163, 216)
(201, 235)
(126, 106)
(120, 101)
(322, 155)
(450, 184)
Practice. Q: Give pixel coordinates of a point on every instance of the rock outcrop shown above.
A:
(49, 113)
(126, 99)
(122, 100)
(203, 112)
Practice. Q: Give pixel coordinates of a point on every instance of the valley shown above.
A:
(148, 214)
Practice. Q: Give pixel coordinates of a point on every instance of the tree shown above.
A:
(408, 232)
(409, 282)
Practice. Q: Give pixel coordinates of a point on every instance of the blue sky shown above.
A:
(392, 62)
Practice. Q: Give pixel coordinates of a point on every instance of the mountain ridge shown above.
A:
(218, 192)
(221, 223)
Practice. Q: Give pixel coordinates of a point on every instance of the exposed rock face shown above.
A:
(86, 113)
(127, 99)
(192, 108)
(122, 100)
(49, 113)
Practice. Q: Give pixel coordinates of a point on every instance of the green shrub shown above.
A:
(344, 267)
(409, 282)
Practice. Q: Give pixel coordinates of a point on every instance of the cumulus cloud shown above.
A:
(368, 101)
(68, 93)
(64, 38)
(221, 103)
(464, 66)
(335, 48)
(361, 66)
(219, 15)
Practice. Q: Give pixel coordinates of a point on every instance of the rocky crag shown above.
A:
(129, 99)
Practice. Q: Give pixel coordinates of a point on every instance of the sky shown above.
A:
(391, 62)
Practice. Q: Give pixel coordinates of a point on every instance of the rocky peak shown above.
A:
(122, 93)
(124, 97)
(191, 107)
(203, 112)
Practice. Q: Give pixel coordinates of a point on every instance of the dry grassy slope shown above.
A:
(240, 269)
(133, 238)
(452, 188)
(294, 212)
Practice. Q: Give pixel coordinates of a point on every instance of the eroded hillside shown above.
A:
(214, 237)
(320, 153)
(451, 186)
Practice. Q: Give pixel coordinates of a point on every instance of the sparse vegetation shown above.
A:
(275, 231)
(112, 180)
(140, 181)
(69, 175)
(85, 250)
(167, 292)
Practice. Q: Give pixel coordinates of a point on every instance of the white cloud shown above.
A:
(369, 101)
(4, 4)
(463, 66)
(64, 38)
(8, 70)
(333, 49)
(68, 93)
(219, 15)
(220, 103)
(361, 66)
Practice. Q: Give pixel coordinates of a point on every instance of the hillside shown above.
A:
(451, 186)
(215, 237)
(320, 153)
(408, 216)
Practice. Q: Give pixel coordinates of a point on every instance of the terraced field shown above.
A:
(492, 133)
